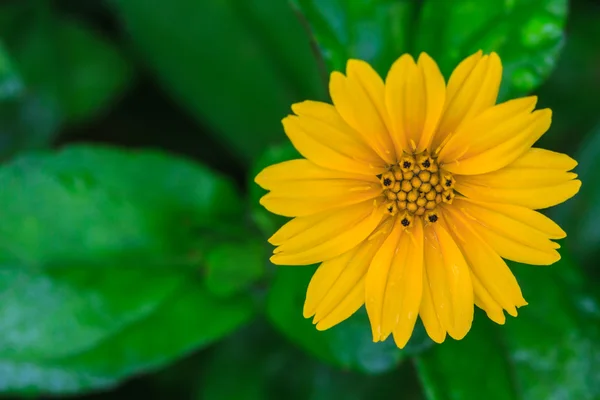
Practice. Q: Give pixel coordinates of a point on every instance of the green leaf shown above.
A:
(580, 215)
(66, 63)
(266, 221)
(26, 121)
(11, 84)
(264, 367)
(100, 256)
(233, 267)
(549, 351)
(527, 35)
(348, 345)
(161, 205)
(189, 318)
(575, 110)
(98, 73)
(377, 31)
(239, 75)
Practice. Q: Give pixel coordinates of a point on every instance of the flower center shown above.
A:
(415, 186)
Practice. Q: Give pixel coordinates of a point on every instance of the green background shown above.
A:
(133, 253)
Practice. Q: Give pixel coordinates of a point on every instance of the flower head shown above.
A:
(411, 194)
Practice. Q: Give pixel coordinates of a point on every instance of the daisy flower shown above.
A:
(411, 194)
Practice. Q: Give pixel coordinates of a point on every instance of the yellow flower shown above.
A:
(412, 193)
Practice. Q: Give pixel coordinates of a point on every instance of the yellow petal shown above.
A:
(428, 314)
(538, 179)
(415, 95)
(301, 188)
(493, 126)
(449, 280)
(485, 264)
(484, 300)
(472, 88)
(516, 140)
(330, 129)
(307, 135)
(510, 238)
(409, 282)
(394, 283)
(435, 98)
(396, 87)
(545, 159)
(337, 289)
(359, 100)
(522, 216)
(321, 237)
(377, 279)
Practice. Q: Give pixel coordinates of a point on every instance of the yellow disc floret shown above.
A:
(415, 186)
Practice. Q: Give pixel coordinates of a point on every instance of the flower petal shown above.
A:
(337, 289)
(510, 238)
(323, 236)
(491, 271)
(472, 88)
(301, 188)
(484, 300)
(412, 285)
(449, 280)
(415, 96)
(394, 284)
(428, 314)
(538, 179)
(493, 126)
(359, 99)
(499, 143)
(322, 136)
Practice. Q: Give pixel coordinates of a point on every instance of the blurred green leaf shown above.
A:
(11, 84)
(232, 267)
(185, 321)
(580, 215)
(348, 345)
(264, 367)
(528, 35)
(237, 65)
(550, 351)
(93, 72)
(266, 221)
(575, 110)
(66, 62)
(100, 256)
(377, 31)
(102, 202)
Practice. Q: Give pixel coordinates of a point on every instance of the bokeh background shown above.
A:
(133, 253)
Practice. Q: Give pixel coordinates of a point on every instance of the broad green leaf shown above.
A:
(550, 351)
(66, 63)
(580, 216)
(185, 321)
(239, 75)
(232, 267)
(264, 367)
(101, 253)
(527, 35)
(266, 221)
(102, 202)
(348, 345)
(377, 31)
